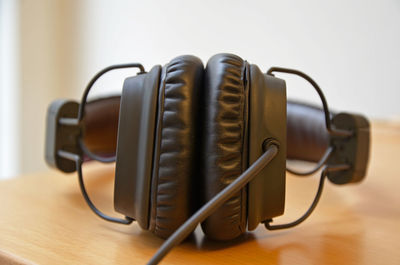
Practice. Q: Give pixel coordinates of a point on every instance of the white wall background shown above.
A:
(9, 88)
(351, 48)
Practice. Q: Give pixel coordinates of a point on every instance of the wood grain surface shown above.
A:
(44, 220)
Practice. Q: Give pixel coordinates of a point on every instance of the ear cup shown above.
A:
(174, 166)
(224, 142)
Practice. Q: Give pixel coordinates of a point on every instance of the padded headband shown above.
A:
(307, 138)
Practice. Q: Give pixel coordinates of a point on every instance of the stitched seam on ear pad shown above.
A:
(173, 199)
(224, 134)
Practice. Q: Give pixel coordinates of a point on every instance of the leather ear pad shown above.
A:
(224, 142)
(175, 163)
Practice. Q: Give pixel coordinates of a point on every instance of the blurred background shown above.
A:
(50, 49)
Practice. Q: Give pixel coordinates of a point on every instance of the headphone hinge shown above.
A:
(62, 135)
(352, 150)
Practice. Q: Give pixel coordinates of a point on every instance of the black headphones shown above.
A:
(204, 145)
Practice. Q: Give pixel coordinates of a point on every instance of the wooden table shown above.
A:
(44, 220)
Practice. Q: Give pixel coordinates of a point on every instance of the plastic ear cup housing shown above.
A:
(135, 146)
(60, 136)
(267, 120)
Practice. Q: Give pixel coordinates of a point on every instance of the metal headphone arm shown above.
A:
(328, 123)
(81, 110)
(329, 161)
(78, 157)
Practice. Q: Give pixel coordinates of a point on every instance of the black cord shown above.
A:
(212, 205)
(319, 165)
(125, 221)
(324, 173)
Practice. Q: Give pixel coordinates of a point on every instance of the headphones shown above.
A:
(204, 145)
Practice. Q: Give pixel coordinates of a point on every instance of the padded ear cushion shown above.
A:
(224, 142)
(175, 167)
